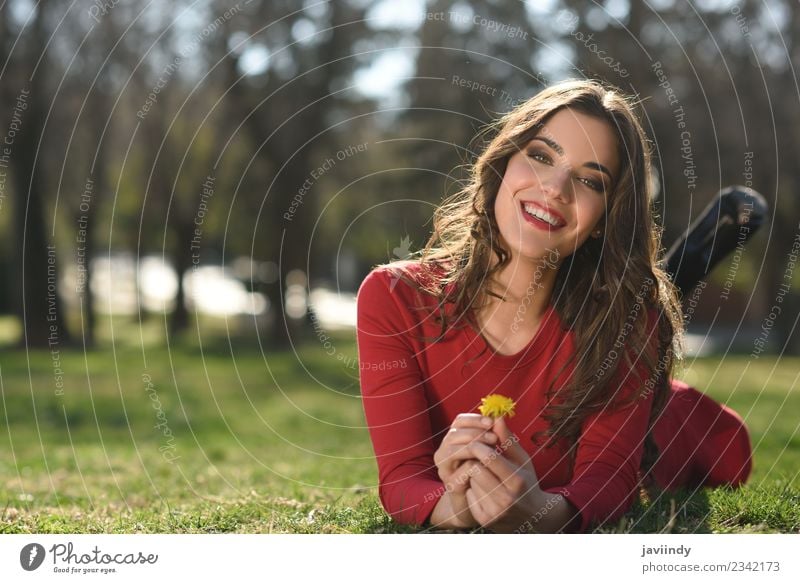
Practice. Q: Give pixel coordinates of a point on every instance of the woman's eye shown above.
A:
(539, 157)
(593, 184)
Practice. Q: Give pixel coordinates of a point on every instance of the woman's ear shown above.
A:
(597, 232)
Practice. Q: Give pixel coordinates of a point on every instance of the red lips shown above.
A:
(539, 223)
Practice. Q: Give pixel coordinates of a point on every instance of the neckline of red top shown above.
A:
(547, 328)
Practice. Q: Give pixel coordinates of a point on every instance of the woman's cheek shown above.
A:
(521, 175)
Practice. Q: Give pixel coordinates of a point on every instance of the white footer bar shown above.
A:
(407, 558)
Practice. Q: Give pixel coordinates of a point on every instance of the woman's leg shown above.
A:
(702, 442)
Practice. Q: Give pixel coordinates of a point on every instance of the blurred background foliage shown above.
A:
(267, 149)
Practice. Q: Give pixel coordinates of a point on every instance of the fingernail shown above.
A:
(486, 421)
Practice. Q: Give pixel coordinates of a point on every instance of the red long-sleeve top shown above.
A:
(413, 388)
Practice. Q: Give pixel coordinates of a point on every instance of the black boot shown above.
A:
(732, 218)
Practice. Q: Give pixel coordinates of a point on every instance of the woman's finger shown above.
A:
(451, 455)
(463, 435)
(486, 479)
(458, 481)
(489, 457)
(501, 497)
(476, 508)
(472, 420)
(484, 497)
(509, 444)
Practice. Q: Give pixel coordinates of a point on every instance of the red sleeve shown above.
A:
(605, 478)
(395, 403)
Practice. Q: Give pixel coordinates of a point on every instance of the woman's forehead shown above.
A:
(580, 137)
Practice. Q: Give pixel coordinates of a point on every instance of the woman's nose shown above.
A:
(557, 185)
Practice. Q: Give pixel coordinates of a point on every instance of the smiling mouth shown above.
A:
(540, 217)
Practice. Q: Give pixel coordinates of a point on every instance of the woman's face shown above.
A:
(554, 191)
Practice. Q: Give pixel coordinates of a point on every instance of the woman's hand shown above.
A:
(504, 493)
(455, 462)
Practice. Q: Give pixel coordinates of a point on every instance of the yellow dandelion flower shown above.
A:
(497, 406)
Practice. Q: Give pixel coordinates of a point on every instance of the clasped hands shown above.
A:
(487, 474)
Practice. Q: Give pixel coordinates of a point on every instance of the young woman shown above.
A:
(540, 282)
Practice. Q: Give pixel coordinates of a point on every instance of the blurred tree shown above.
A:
(7, 303)
(87, 97)
(25, 92)
(786, 115)
(195, 183)
(288, 72)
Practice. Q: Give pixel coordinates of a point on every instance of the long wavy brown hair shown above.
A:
(611, 293)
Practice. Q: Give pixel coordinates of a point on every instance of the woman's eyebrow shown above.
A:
(550, 143)
(601, 168)
(560, 150)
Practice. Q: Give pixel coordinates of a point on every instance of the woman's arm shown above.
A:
(397, 410)
(605, 477)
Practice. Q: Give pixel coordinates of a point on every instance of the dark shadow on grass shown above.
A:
(681, 512)
(658, 511)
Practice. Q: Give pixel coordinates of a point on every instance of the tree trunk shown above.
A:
(182, 261)
(37, 301)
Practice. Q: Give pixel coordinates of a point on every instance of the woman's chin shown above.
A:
(537, 254)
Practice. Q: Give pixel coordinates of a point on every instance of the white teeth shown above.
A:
(542, 214)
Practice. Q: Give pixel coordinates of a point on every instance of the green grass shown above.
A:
(277, 443)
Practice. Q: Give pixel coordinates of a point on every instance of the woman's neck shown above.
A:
(525, 288)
